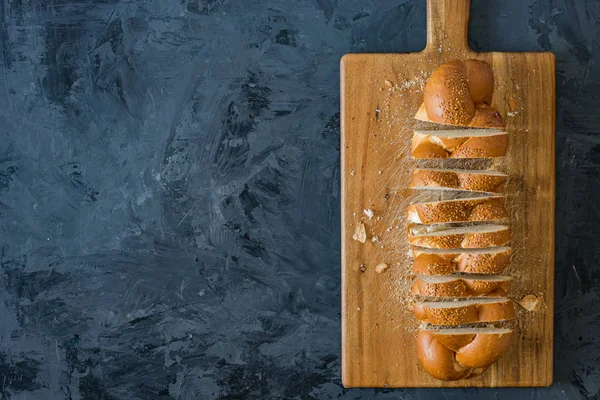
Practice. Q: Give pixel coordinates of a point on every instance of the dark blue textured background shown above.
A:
(169, 192)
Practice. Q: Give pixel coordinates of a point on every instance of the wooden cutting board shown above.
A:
(380, 93)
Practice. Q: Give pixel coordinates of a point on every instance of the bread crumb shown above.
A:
(531, 303)
(388, 83)
(374, 239)
(362, 267)
(360, 233)
(368, 212)
(352, 172)
(381, 267)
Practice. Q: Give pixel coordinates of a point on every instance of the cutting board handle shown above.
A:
(447, 26)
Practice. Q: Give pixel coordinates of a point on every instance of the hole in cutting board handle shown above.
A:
(448, 27)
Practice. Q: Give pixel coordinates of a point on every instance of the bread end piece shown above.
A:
(460, 93)
(460, 354)
(438, 360)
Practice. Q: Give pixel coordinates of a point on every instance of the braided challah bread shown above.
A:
(457, 249)
(460, 93)
(453, 354)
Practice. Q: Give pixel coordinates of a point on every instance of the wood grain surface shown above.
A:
(380, 93)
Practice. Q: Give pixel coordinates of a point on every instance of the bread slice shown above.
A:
(461, 286)
(462, 312)
(490, 260)
(467, 237)
(458, 179)
(452, 354)
(460, 143)
(485, 117)
(458, 210)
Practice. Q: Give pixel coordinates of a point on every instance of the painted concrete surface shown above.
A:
(169, 193)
